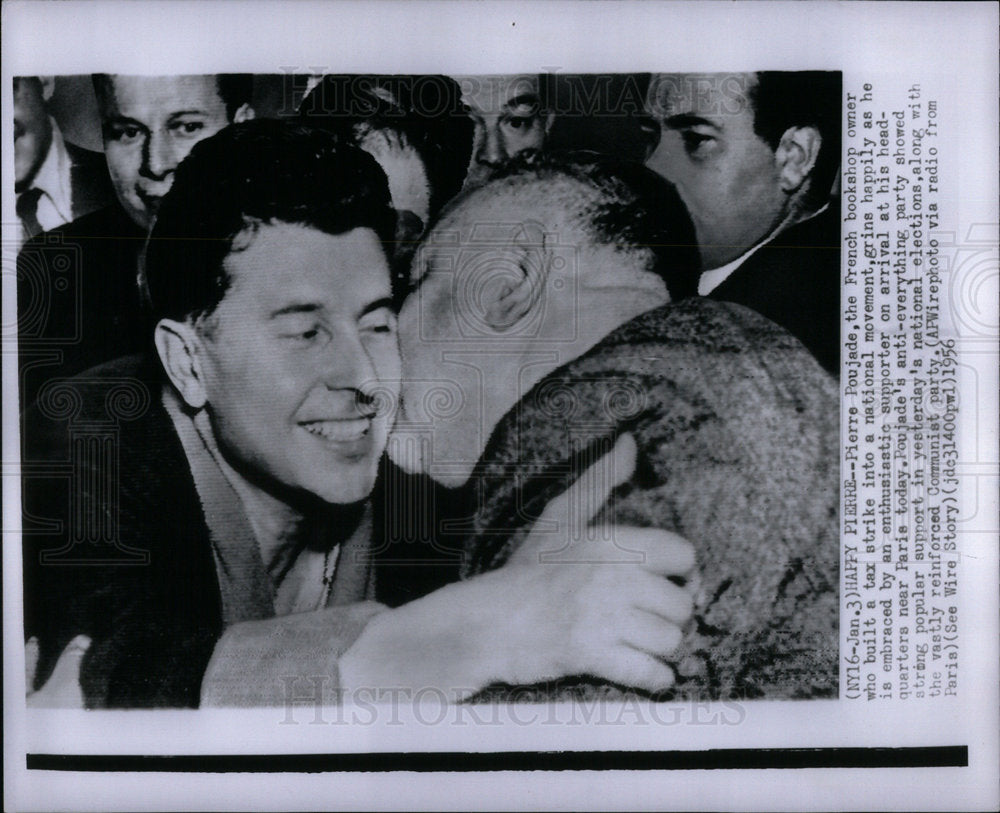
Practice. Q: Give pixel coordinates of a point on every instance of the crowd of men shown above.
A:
(390, 394)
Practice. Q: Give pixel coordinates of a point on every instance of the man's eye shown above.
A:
(650, 127)
(381, 327)
(383, 322)
(694, 141)
(650, 134)
(189, 127)
(520, 122)
(124, 133)
(307, 335)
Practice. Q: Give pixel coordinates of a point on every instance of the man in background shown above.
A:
(55, 181)
(78, 300)
(510, 113)
(754, 156)
(414, 126)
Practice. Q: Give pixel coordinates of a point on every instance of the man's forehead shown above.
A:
(165, 94)
(492, 93)
(282, 261)
(707, 95)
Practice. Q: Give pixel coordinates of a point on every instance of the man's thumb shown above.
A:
(585, 498)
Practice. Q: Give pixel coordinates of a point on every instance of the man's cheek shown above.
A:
(535, 137)
(123, 166)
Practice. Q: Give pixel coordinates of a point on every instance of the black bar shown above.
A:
(951, 756)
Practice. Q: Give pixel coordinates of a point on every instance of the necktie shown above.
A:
(27, 211)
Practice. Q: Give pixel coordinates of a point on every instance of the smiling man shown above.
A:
(78, 299)
(220, 553)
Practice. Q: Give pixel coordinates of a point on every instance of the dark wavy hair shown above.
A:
(261, 171)
(425, 110)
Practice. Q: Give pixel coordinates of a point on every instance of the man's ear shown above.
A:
(796, 156)
(515, 298)
(177, 344)
(244, 113)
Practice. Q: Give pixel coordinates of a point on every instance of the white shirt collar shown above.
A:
(713, 278)
(55, 207)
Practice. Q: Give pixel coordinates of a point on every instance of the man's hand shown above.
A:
(568, 533)
(62, 689)
(621, 615)
(534, 620)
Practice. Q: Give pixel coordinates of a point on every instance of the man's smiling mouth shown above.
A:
(343, 430)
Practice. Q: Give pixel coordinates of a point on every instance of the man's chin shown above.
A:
(346, 489)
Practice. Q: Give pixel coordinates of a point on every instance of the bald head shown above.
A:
(587, 203)
(522, 275)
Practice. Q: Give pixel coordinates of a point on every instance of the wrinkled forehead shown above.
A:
(699, 94)
(494, 93)
(122, 95)
(497, 217)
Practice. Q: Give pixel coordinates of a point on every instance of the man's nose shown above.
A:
(348, 367)
(492, 149)
(661, 160)
(160, 158)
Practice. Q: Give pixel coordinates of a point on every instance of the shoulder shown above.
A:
(115, 541)
(98, 233)
(698, 335)
(702, 384)
(795, 281)
(104, 242)
(816, 230)
(809, 249)
(117, 403)
(108, 221)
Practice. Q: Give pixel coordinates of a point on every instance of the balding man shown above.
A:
(222, 554)
(544, 329)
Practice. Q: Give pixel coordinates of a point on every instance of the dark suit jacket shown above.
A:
(116, 545)
(737, 430)
(115, 542)
(78, 298)
(795, 281)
